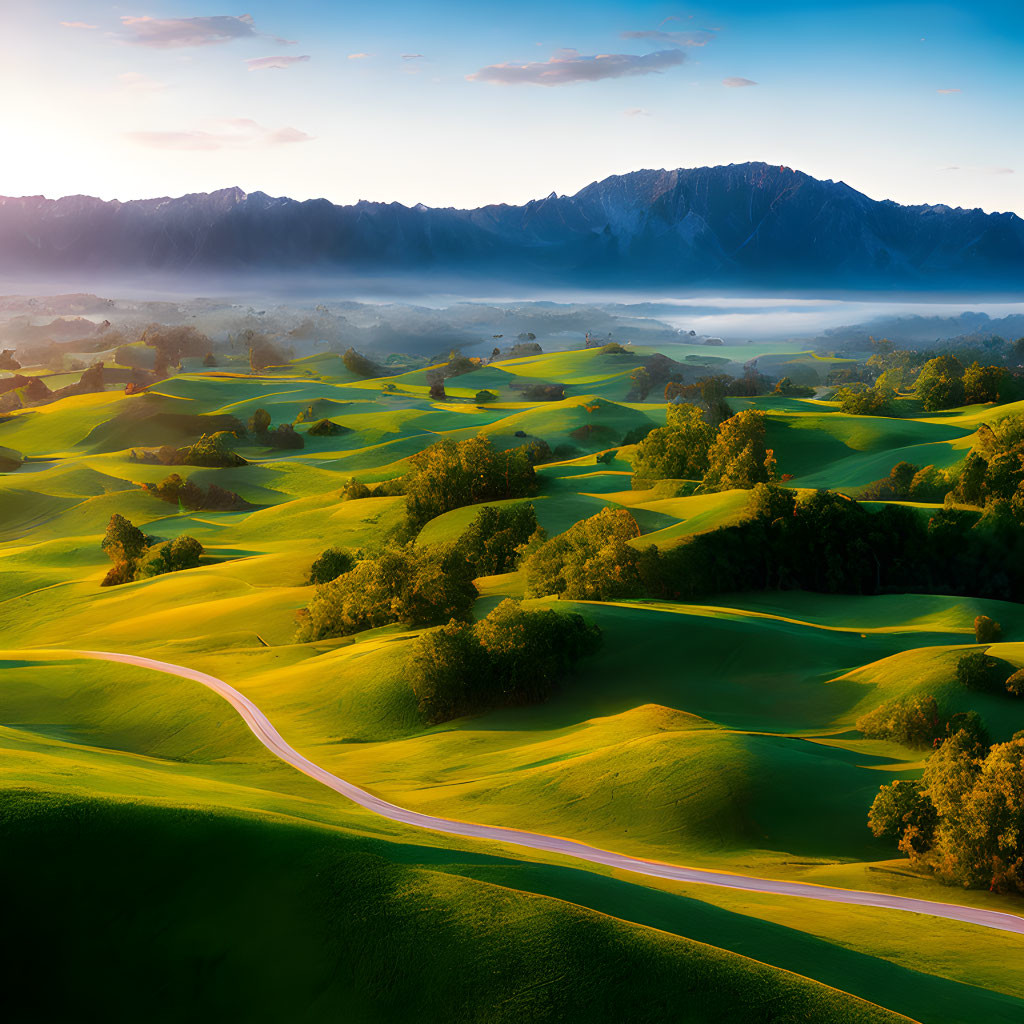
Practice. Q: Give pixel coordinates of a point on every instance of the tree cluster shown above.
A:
(491, 543)
(511, 657)
(416, 586)
(450, 474)
(190, 495)
(689, 448)
(211, 450)
(964, 820)
(136, 556)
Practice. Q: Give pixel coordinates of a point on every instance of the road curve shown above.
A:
(271, 739)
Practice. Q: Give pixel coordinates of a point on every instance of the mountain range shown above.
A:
(736, 225)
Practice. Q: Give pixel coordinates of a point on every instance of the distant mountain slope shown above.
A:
(736, 225)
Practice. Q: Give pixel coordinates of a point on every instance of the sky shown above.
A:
(463, 104)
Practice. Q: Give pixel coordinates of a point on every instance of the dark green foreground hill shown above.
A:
(136, 912)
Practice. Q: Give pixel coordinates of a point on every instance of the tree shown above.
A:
(738, 458)
(983, 383)
(591, 561)
(209, 359)
(786, 388)
(986, 630)
(449, 673)
(642, 382)
(940, 384)
(437, 392)
(329, 565)
(483, 397)
(677, 451)
(122, 541)
(903, 813)
(492, 541)
(259, 422)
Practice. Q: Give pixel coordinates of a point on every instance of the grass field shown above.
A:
(719, 735)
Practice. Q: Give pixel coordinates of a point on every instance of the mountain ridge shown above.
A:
(736, 224)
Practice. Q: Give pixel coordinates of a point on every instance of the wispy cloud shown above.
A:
(411, 56)
(737, 83)
(637, 112)
(946, 92)
(135, 81)
(571, 66)
(168, 33)
(77, 24)
(233, 133)
(699, 37)
(981, 170)
(266, 63)
(360, 56)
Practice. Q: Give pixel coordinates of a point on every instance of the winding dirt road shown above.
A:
(271, 739)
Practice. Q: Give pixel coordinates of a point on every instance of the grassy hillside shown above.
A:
(719, 734)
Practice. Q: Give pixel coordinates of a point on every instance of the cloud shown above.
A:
(77, 24)
(981, 170)
(167, 33)
(946, 92)
(264, 63)
(570, 66)
(637, 112)
(700, 37)
(138, 82)
(737, 83)
(360, 56)
(233, 133)
(411, 56)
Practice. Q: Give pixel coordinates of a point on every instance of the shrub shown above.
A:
(977, 671)
(986, 630)
(284, 436)
(1015, 684)
(327, 428)
(512, 657)
(483, 397)
(211, 450)
(354, 490)
(172, 556)
(329, 565)
(544, 392)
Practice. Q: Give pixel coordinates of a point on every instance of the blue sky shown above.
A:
(460, 104)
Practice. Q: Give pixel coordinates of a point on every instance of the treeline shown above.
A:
(823, 542)
(137, 556)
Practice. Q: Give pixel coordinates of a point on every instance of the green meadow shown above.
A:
(163, 857)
